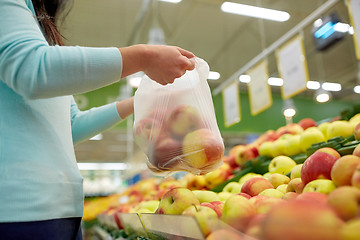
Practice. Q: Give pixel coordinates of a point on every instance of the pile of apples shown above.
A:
(320, 199)
(179, 140)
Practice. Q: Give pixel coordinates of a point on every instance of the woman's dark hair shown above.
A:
(47, 12)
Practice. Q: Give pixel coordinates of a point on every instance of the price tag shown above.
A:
(259, 89)
(231, 104)
(354, 13)
(292, 67)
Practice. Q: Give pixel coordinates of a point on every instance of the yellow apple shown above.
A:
(351, 230)
(296, 171)
(325, 186)
(281, 164)
(323, 128)
(339, 128)
(309, 137)
(272, 193)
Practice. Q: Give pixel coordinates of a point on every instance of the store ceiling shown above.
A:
(226, 41)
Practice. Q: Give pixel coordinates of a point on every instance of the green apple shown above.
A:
(176, 200)
(203, 215)
(248, 176)
(323, 128)
(277, 179)
(309, 137)
(324, 186)
(272, 193)
(265, 149)
(339, 128)
(296, 171)
(282, 188)
(206, 196)
(232, 187)
(281, 164)
(292, 145)
(151, 206)
(237, 211)
(224, 196)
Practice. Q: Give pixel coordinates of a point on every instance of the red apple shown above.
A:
(357, 131)
(356, 151)
(355, 181)
(217, 206)
(165, 154)
(295, 185)
(330, 151)
(202, 150)
(256, 185)
(313, 197)
(237, 211)
(317, 166)
(225, 234)
(345, 200)
(299, 220)
(255, 225)
(183, 120)
(217, 176)
(307, 122)
(147, 131)
(343, 169)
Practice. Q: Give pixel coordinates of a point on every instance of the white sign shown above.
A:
(292, 67)
(259, 89)
(354, 12)
(231, 104)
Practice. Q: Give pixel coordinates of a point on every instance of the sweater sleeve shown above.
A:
(86, 124)
(34, 69)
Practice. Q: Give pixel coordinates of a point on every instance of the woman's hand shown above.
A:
(159, 62)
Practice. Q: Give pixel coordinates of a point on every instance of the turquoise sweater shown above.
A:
(39, 120)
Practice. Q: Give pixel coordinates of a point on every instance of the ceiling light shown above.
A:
(341, 27)
(253, 11)
(334, 87)
(213, 75)
(318, 23)
(273, 81)
(313, 85)
(357, 89)
(102, 166)
(322, 96)
(171, 1)
(289, 109)
(351, 30)
(244, 78)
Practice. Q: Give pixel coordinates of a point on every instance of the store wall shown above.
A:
(271, 118)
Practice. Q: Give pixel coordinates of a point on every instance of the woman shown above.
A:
(40, 185)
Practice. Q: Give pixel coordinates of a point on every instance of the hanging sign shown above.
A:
(292, 67)
(231, 104)
(259, 89)
(354, 13)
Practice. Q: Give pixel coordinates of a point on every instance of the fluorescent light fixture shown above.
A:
(334, 87)
(314, 85)
(357, 89)
(244, 78)
(102, 166)
(97, 137)
(253, 11)
(273, 81)
(171, 1)
(213, 75)
(351, 30)
(341, 27)
(318, 23)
